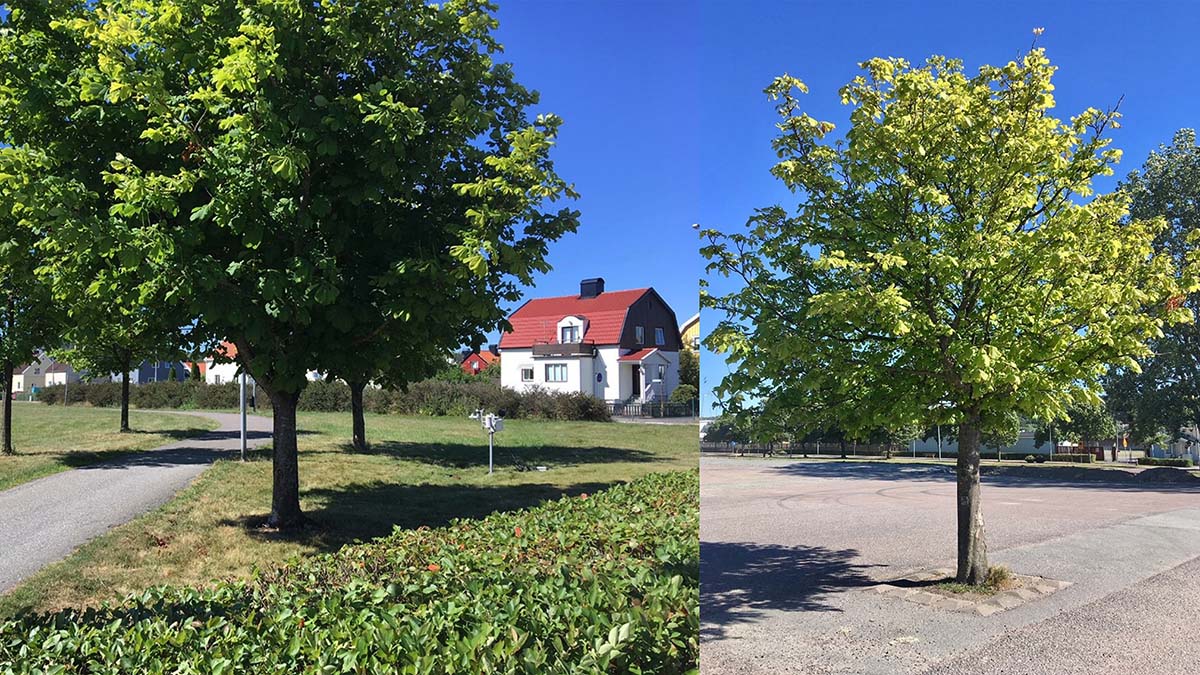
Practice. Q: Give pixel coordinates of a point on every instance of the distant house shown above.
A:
(155, 371)
(60, 373)
(27, 376)
(616, 346)
(477, 362)
(221, 373)
(689, 332)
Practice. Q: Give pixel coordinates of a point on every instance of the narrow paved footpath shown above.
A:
(44, 520)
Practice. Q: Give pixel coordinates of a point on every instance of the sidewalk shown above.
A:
(44, 520)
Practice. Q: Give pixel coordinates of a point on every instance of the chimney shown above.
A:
(590, 288)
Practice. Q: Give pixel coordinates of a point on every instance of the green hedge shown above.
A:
(600, 584)
(1166, 461)
(431, 397)
(1084, 458)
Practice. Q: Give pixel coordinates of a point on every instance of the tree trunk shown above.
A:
(8, 379)
(125, 399)
(972, 547)
(356, 411)
(285, 489)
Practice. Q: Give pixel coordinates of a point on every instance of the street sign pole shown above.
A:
(243, 411)
(491, 440)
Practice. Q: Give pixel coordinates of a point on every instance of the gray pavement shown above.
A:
(44, 520)
(789, 548)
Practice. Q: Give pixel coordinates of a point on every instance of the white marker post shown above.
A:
(242, 397)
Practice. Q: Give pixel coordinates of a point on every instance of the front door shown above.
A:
(637, 382)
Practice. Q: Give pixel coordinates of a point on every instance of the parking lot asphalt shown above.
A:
(790, 549)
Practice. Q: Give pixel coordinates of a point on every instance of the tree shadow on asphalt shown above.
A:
(363, 511)
(527, 457)
(739, 581)
(122, 459)
(1150, 480)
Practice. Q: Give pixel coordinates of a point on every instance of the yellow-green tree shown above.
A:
(943, 265)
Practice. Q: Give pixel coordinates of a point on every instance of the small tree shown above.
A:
(1084, 421)
(941, 261)
(689, 367)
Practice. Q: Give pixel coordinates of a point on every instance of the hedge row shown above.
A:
(1166, 461)
(1084, 458)
(600, 584)
(430, 397)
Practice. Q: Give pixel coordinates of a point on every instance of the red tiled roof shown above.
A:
(488, 357)
(57, 367)
(639, 355)
(536, 322)
(227, 349)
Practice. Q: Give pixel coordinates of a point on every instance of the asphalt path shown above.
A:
(789, 550)
(44, 520)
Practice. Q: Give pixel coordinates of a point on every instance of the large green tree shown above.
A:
(1164, 397)
(115, 298)
(943, 264)
(29, 319)
(283, 143)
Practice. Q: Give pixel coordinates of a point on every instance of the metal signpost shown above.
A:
(242, 407)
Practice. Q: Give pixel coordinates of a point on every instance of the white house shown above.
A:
(33, 374)
(60, 373)
(616, 346)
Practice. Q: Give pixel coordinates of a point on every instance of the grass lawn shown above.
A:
(49, 439)
(421, 471)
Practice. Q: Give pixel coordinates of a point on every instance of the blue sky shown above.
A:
(1144, 51)
(625, 79)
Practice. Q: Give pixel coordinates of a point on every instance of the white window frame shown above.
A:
(574, 334)
(527, 369)
(639, 335)
(556, 367)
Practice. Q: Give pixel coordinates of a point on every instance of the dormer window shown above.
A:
(569, 334)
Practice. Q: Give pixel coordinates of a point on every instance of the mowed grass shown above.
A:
(49, 439)
(420, 471)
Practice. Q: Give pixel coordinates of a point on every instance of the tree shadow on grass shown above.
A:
(739, 581)
(526, 457)
(1150, 480)
(362, 511)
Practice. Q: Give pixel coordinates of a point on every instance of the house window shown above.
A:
(662, 372)
(570, 334)
(527, 374)
(639, 335)
(556, 372)
(216, 379)
(660, 337)
(475, 366)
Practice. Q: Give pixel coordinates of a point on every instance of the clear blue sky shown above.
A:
(624, 77)
(1145, 51)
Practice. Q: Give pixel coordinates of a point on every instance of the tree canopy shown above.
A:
(300, 178)
(1162, 396)
(947, 262)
